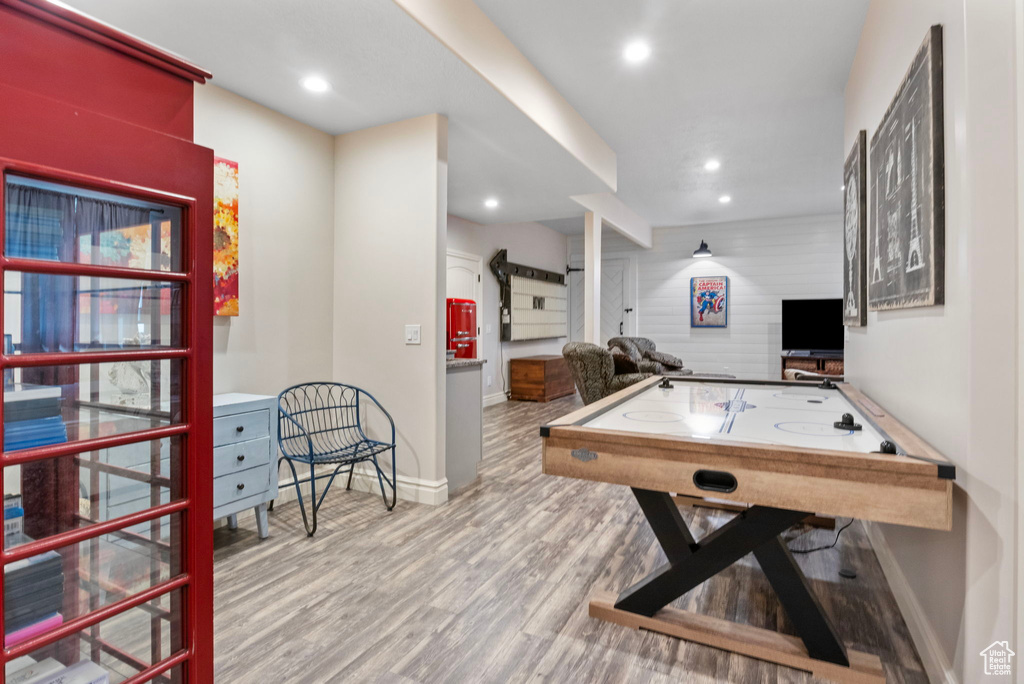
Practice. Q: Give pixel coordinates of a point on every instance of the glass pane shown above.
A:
(50, 313)
(57, 404)
(121, 646)
(92, 487)
(53, 587)
(58, 222)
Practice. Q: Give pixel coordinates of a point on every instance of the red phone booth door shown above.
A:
(105, 231)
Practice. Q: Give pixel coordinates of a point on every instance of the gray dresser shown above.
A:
(244, 456)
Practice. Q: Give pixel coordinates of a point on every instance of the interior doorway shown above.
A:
(464, 278)
(618, 299)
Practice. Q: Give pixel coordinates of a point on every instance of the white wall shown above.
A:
(282, 335)
(389, 271)
(527, 243)
(766, 261)
(948, 371)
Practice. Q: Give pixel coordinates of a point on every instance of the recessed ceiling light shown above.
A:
(842, 188)
(637, 51)
(491, 203)
(725, 199)
(315, 84)
(712, 165)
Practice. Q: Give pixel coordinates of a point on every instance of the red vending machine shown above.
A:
(461, 333)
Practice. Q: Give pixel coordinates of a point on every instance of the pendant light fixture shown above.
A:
(702, 251)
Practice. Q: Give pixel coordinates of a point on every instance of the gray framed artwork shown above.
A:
(906, 244)
(855, 233)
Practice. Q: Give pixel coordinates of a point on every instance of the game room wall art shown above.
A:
(709, 302)
(225, 237)
(906, 246)
(855, 227)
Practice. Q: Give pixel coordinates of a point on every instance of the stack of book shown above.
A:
(14, 519)
(33, 595)
(26, 670)
(32, 417)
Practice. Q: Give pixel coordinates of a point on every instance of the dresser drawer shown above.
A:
(240, 456)
(241, 427)
(236, 486)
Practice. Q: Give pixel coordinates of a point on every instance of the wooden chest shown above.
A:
(540, 378)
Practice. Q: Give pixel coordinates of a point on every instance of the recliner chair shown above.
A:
(593, 371)
(643, 352)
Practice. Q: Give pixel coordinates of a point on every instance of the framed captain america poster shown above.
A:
(709, 302)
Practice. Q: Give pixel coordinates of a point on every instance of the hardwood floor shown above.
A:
(494, 585)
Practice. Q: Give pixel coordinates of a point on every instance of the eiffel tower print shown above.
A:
(915, 260)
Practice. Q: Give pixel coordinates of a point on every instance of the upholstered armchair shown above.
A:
(642, 353)
(593, 371)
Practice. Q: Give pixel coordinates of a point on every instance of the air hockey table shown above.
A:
(786, 450)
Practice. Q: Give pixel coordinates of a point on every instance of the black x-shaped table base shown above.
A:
(690, 563)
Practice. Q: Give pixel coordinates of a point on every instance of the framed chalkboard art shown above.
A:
(906, 246)
(855, 234)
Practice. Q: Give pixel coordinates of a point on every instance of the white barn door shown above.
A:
(616, 297)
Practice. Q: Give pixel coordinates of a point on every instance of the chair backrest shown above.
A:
(591, 367)
(634, 347)
(316, 411)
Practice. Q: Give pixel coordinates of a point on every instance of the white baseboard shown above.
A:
(936, 664)
(496, 398)
(409, 489)
(430, 492)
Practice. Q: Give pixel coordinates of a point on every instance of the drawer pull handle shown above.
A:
(241, 486)
(239, 428)
(714, 481)
(241, 457)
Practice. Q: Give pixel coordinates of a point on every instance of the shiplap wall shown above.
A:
(766, 261)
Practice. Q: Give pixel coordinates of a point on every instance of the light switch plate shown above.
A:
(487, 328)
(412, 334)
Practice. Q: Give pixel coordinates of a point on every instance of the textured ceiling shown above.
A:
(757, 84)
(383, 68)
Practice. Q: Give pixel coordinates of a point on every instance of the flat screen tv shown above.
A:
(812, 325)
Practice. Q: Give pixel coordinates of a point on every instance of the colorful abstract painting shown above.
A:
(129, 247)
(225, 237)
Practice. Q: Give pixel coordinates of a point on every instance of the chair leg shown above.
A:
(392, 483)
(302, 504)
(270, 506)
(312, 499)
(351, 469)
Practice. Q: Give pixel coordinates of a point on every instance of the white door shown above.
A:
(616, 300)
(463, 277)
(464, 281)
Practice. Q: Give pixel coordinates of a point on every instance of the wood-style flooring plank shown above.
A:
(493, 586)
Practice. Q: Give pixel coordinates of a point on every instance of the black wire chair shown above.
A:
(320, 423)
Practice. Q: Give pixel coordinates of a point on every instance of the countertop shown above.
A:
(465, 363)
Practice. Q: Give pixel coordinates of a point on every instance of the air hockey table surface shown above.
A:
(767, 443)
(785, 450)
